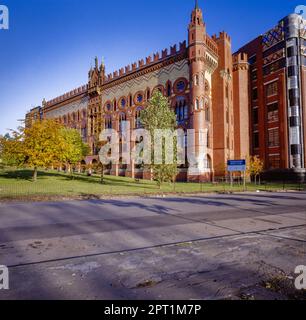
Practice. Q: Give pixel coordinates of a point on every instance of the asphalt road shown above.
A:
(243, 246)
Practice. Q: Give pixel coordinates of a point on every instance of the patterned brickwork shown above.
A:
(274, 56)
(273, 36)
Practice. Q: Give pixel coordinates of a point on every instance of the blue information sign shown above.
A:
(236, 165)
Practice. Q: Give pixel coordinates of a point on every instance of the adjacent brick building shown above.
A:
(277, 89)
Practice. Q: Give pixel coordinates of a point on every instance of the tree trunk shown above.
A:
(35, 174)
(71, 172)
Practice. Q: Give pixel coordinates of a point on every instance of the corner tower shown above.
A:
(201, 66)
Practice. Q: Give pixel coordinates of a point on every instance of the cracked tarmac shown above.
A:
(242, 246)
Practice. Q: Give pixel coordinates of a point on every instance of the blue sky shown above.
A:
(51, 44)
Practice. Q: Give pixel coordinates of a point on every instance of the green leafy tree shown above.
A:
(74, 149)
(158, 115)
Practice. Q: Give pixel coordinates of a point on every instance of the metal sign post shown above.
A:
(237, 166)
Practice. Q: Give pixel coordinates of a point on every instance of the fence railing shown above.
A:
(18, 184)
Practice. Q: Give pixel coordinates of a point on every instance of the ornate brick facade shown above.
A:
(198, 77)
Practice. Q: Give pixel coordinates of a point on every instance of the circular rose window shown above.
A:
(180, 87)
(139, 98)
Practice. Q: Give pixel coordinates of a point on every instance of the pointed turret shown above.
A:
(197, 28)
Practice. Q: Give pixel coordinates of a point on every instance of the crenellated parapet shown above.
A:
(69, 95)
(222, 36)
(240, 62)
(147, 62)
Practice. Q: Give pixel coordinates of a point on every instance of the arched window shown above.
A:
(207, 113)
(207, 162)
(196, 104)
(115, 105)
(185, 145)
(84, 133)
(181, 110)
(169, 91)
(122, 119)
(123, 103)
(207, 88)
(108, 107)
(148, 94)
(139, 98)
(138, 123)
(108, 123)
(202, 104)
(196, 80)
(130, 100)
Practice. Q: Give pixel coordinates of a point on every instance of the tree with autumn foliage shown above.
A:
(11, 152)
(40, 146)
(255, 167)
(159, 115)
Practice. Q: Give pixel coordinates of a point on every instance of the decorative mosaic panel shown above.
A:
(150, 80)
(274, 56)
(273, 36)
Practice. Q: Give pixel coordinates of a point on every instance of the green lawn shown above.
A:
(18, 184)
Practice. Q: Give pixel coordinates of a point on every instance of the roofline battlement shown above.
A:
(241, 57)
(68, 95)
(222, 36)
(148, 61)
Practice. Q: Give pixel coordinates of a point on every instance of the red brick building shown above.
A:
(277, 93)
(207, 87)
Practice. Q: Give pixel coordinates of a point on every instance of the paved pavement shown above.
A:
(241, 246)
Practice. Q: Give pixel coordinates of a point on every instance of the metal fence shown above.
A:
(83, 186)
